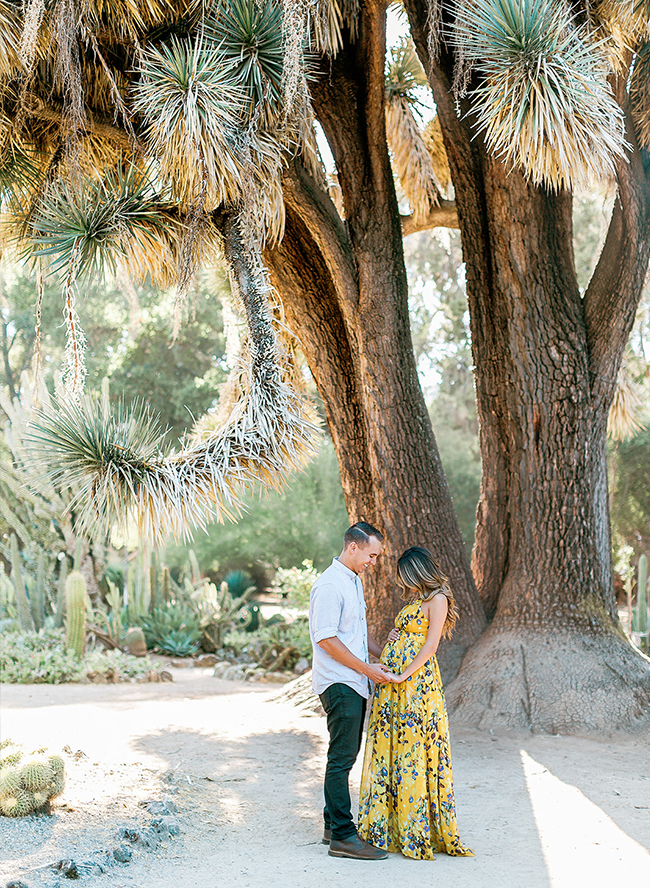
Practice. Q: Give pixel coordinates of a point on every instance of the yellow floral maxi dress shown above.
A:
(406, 802)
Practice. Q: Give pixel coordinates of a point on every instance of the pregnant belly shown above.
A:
(399, 653)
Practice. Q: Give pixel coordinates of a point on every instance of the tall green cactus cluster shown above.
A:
(28, 784)
(30, 597)
(75, 619)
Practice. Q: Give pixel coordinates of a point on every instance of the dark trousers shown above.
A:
(345, 711)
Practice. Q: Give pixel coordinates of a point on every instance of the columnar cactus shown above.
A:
(38, 605)
(166, 586)
(60, 593)
(28, 785)
(22, 602)
(75, 621)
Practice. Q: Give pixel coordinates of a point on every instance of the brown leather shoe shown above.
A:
(356, 848)
(327, 835)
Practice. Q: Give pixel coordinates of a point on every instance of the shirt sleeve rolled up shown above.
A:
(326, 608)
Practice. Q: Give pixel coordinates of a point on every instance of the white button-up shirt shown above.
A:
(337, 608)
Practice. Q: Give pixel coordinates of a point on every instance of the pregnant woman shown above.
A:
(406, 802)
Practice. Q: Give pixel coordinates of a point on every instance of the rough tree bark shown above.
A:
(546, 362)
(345, 293)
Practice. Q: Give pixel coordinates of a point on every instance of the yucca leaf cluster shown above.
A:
(96, 224)
(191, 103)
(542, 102)
(250, 38)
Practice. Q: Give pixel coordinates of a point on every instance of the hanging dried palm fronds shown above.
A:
(435, 145)
(413, 162)
(628, 21)
(623, 421)
(640, 96)
(543, 102)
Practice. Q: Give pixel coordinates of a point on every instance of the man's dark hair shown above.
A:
(360, 534)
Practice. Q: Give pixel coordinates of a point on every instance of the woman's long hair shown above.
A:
(419, 575)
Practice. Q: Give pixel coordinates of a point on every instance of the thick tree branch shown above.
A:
(318, 213)
(349, 99)
(613, 294)
(445, 215)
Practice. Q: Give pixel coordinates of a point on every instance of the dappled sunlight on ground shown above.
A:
(245, 771)
(580, 843)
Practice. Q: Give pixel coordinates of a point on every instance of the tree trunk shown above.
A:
(390, 467)
(554, 657)
(345, 292)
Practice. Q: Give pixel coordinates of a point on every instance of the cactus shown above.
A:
(35, 775)
(78, 555)
(38, 602)
(195, 570)
(134, 642)
(9, 781)
(28, 786)
(22, 602)
(75, 622)
(166, 583)
(18, 804)
(7, 596)
(60, 593)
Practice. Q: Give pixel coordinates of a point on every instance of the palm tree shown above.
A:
(155, 134)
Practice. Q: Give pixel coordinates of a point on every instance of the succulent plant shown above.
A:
(28, 785)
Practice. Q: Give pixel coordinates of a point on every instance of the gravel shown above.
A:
(112, 818)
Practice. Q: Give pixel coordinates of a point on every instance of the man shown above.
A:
(341, 678)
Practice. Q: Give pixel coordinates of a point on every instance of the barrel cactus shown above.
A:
(28, 784)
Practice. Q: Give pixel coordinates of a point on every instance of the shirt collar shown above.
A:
(346, 570)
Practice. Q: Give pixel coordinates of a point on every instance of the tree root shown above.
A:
(567, 683)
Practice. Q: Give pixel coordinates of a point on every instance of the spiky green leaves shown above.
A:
(543, 102)
(86, 227)
(93, 223)
(80, 436)
(250, 37)
(190, 98)
(404, 73)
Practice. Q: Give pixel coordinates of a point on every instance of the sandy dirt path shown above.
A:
(245, 772)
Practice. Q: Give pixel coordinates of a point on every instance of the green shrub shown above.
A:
(276, 646)
(42, 658)
(294, 583)
(38, 658)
